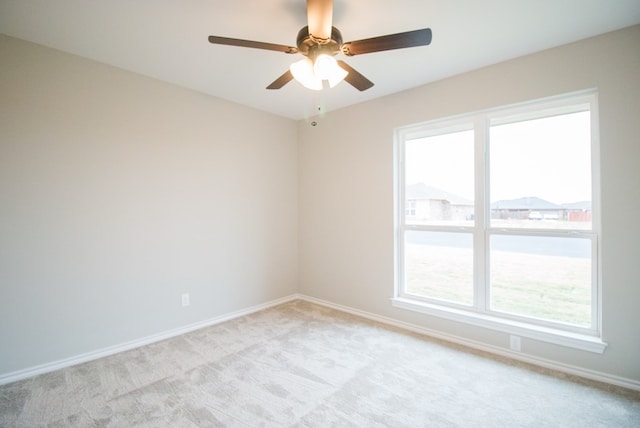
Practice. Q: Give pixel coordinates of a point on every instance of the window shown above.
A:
(500, 224)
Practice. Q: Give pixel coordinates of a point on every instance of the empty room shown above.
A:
(319, 213)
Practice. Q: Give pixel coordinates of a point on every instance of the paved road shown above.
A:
(551, 246)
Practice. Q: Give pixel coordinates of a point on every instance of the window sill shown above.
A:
(544, 334)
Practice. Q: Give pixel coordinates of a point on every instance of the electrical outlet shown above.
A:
(515, 343)
(185, 299)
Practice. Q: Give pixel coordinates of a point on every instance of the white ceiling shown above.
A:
(167, 39)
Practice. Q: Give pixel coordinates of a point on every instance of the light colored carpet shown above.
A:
(304, 365)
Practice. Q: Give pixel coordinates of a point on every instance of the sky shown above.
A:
(549, 158)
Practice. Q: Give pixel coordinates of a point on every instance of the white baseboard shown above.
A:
(111, 350)
(541, 362)
(105, 352)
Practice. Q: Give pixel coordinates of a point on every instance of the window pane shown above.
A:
(439, 265)
(541, 173)
(542, 277)
(439, 179)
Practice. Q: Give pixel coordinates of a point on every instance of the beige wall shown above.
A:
(118, 193)
(346, 189)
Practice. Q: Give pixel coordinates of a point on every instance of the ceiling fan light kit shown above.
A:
(320, 42)
(312, 74)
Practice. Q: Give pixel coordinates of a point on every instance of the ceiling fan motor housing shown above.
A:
(311, 47)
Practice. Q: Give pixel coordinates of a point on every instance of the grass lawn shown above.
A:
(547, 287)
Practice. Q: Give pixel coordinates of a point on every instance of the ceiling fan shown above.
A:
(319, 42)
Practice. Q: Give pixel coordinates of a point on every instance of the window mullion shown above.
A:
(481, 292)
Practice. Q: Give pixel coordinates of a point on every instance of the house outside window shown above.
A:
(501, 219)
(410, 207)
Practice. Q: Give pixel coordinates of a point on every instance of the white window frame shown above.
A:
(588, 339)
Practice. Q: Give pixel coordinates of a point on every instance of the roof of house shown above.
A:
(423, 191)
(582, 205)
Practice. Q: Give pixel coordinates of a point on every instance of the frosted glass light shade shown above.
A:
(327, 68)
(312, 75)
(303, 72)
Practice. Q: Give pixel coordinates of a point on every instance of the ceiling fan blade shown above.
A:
(354, 78)
(281, 81)
(251, 44)
(319, 18)
(408, 39)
